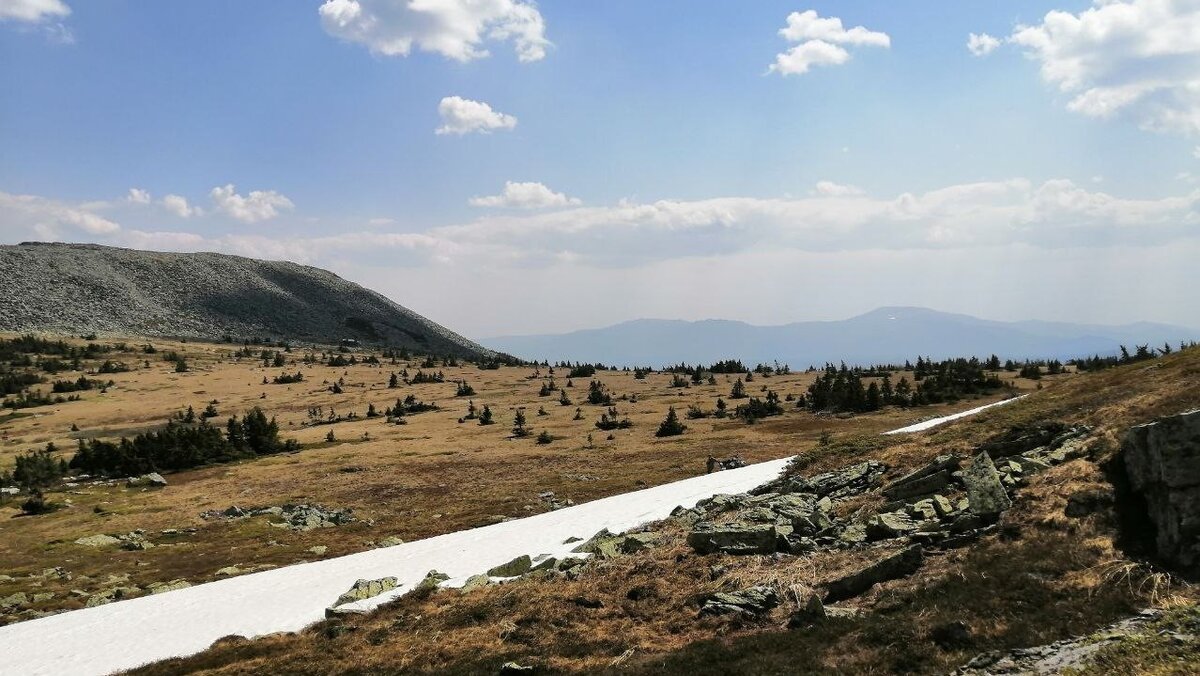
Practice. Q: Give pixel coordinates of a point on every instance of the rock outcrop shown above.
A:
(1162, 461)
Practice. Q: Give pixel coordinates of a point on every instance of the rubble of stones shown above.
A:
(950, 502)
(1080, 652)
(20, 605)
(294, 517)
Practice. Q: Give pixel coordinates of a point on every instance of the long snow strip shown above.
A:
(126, 634)
(928, 424)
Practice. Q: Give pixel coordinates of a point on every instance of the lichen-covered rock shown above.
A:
(602, 545)
(365, 589)
(929, 479)
(475, 582)
(99, 540)
(636, 542)
(841, 483)
(985, 491)
(733, 538)
(889, 525)
(1162, 460)
(755, 600)
(518, 566)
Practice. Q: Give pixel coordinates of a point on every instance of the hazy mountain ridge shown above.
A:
(887, 334)
(83, 288)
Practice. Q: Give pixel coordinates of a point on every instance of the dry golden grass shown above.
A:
(1040, 578)
(431, 476)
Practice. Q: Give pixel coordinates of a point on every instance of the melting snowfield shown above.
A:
(126, 634)
(927, 424)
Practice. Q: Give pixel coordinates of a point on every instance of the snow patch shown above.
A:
(922, 426)
(126, 634)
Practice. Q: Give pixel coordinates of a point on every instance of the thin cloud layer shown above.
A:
(1055, 214)
(33, 11)
(455, 29)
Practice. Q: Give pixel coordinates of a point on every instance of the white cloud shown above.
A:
(455, 29)
(464, 116)
(138, 196)
(831, 189)
(259, 205)
(1053, 214)
(1139, 58)
(25, 216)
(32, 11)
(531, 195)
(1196, 152)
(179, 206)
(982, 44)
(822, 42)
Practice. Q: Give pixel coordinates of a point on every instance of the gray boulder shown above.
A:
(1162, 460)
(985, 491)
(733, 538)
(151, 480)
(901, 564)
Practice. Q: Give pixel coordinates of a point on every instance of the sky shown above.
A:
(505, 167)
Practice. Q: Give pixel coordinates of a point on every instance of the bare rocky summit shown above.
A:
(86, 288)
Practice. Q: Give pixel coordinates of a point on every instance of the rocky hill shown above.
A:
(85, 288)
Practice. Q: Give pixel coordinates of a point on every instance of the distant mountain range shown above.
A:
(889, 334)
(86, 288)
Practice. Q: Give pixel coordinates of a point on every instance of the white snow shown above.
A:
(922, 426)
(126, 634)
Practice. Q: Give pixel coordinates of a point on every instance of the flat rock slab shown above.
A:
(901, 564)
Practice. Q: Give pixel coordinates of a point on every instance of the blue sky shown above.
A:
(651, 147)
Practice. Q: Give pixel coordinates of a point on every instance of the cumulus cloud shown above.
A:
(178, 205)
(464, 116)
(1139, 58)
(831, 189)
(456, 29)
(33, 11)
(822, 42)
(982, 44)
(259, 205)
(138, 196)
(531, 195)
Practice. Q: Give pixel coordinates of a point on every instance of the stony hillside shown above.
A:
(83, 288)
